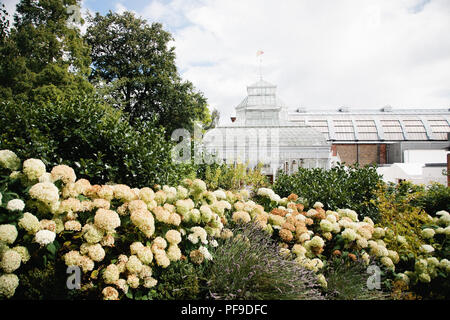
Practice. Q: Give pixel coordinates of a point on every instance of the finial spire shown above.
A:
(259, 54)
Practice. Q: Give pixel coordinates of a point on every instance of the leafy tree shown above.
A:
(92, 137)
(4, 23)
(135, 67)
(215, 117)
(43, 58)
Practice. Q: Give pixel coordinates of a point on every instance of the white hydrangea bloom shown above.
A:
(24, 254)
(349, 234)
(45, 177)
(144, 220)
(10, 261)
(9, 160)
(64, 173)
(8, 233)
(205, 253)
(428, 233)
(44, 237)
(173, 236)
(220, 194)
(145, 255)
(107, 220)
(8, 285)
(134, 265)
(426, 248)
(198, 233)
(318, 205)
(45, 191)
(30, 223)
(326, 225)
(111, 274)
(15, 205)
(33, 169)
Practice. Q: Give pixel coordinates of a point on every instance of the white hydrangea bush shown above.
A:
(123, 238)
(307, 234)
(118, 235)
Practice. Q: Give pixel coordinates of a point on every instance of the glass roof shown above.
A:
(378, 125)
(261, 106)
(280, 136)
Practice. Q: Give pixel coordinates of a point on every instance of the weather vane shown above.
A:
(259, 54)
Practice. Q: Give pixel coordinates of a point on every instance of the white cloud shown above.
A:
(10, 6)
(321, 54)
(119, 8)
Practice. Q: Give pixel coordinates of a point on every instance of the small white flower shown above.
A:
(318, 205)
(205, 253)
(428, 233)
(214, 243)
(44, 237)
(15, 205)
(220, 194)
(427, 248)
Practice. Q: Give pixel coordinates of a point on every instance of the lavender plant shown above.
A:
(249, 266)
(347, 280)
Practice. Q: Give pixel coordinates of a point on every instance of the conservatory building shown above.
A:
(261, 133)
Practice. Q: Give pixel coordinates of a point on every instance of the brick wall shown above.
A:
(347, 152)
(368, 153)
(363, 153)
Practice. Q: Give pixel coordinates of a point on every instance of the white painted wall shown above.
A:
(425, 156)
(417, 173)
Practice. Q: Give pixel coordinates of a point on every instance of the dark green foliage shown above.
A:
(180, 281)
(91, 137)
(347, 280)
(436, 198)
(37, 283)
(437, 289)
(42, 282)
(337, 188)
(42, 59)
(135, 61)
(249, 266)
(431, 198)
(48, 281)
(4, 23)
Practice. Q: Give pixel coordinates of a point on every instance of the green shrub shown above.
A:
(92, 137)
(431, 198)
(436, 198)
(401, 217)
(404, 223)
(339, 187)
(249, 266)
(180, 281)
(47, 281)
(232, 177)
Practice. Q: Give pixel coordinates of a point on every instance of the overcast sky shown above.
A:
(321, 54)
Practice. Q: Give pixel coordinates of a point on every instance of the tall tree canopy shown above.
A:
(4, 23)
(135, 66)
(43, 58)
